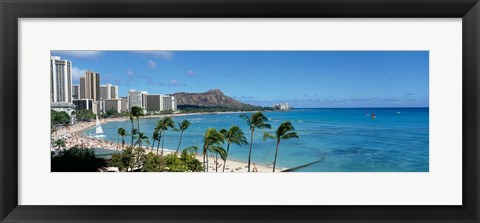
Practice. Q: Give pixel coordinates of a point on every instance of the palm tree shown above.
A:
(190, 149)
(285, 131)
(166, 122)
(155, 136)
(233, 135)
(137, 112)
(159, 129)
(141, 139)
(211, 138)
(60, 143)
(133, 129)
(122, 132)
(255, 120)
(182, 126)
(218, 150)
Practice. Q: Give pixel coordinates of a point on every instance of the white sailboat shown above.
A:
(98, 129)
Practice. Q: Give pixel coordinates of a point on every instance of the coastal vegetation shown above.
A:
(84, 115)
(256, 120)
(135, 158)
(163, 125)
(211, 141)
(285, 131)
(59, 118)
(233, 135)
(76, 159)
(182, 127)
(122, 133)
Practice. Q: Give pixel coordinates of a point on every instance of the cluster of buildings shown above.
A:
(90, 95)
(282, 106)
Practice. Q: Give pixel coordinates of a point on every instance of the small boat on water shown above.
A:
(373, 115)
(98, 130)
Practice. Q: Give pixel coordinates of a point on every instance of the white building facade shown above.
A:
(135, 98)
(108, 91)
(60, 80)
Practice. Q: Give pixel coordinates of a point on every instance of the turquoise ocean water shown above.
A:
(344, 139)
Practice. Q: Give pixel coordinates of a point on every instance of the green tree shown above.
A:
(182, 126)
(255, 120)
(190, 150)
(137, 112)
(133, 132)
(59, 118)
(233, 135)
(218, 150)
(130, 159)
(165, 124)
(285, 131)
(192, 163)
(153, 163)
(85, 115)
(211, 139)
(76, 160)
(59, 143)
(142, 138)
(155, 137)
(122, 133)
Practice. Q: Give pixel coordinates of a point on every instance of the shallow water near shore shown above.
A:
(344, 140)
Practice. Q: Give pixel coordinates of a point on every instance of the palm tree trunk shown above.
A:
(216, 162)
(276, 153)
(132, 133)
(118, 141)
(160, 139)
(123, 142)
(158, 145)
(225, 162)
(207, 161)
(138, 124)
(204, 162)
(163, 140)
(181, 135)
(250, 152)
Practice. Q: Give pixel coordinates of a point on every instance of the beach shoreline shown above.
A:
(74, 136)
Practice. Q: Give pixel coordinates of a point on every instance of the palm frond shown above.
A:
(290, 135)
(264, 126)
(220, 151)
(190, 149)
(267, 135)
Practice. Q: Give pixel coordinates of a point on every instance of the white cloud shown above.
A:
(167, 55)
(175, 83)
(191, 73)
(80, 54)
(77, 73)
(151, 64)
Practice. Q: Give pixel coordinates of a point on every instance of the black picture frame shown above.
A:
(12, 10)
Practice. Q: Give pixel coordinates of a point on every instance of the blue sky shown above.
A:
(301, 78)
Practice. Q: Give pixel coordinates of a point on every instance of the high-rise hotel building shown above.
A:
(90, 86)
(60, 80)
(159, 103)
(135, 98)
(108, 91)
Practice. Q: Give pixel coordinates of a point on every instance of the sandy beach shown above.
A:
(73, 135)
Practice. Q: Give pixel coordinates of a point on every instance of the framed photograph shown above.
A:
(175, 111)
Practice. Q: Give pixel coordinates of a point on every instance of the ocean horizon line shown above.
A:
(355, 107)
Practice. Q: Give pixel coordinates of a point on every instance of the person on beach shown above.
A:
(255, 168)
